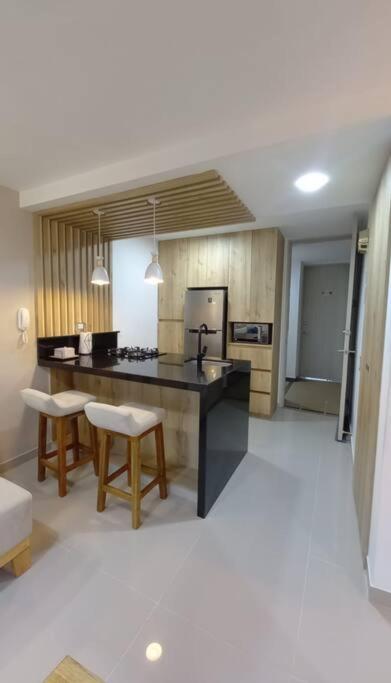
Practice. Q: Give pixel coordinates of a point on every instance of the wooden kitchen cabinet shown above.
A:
(260, 356)
(208, 261)
(261, 380)
(173, 259)
(250, 263)
(253, 275)
(170, 336)
(239, 277)
(264, 250)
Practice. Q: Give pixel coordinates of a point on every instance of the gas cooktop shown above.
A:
(134, 352)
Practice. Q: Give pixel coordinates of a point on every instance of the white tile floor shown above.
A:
(269, 588)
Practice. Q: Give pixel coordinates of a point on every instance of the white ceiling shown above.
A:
(99, 96)
(354, 158)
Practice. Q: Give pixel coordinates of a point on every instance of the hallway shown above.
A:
(268, 589)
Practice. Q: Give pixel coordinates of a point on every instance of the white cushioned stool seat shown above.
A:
(15, 515)
(131, 419)
(57, 405)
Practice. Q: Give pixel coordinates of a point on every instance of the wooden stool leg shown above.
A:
(161, 460)
(42, 446)
(22, 562)
(62, 455)
(75, 439)
(136, 482)
(129, 453)
(95, 446)
(103, 471)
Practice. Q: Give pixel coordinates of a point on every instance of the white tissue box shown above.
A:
(64, 352)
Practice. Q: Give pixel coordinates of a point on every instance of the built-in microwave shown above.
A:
(255, 333)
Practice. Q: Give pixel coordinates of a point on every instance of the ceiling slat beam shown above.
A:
(192, 202)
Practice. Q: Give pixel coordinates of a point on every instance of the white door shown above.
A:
(325, 290)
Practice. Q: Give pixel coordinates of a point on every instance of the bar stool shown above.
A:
(131, 421)
(63, 408)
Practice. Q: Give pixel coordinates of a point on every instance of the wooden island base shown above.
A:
(181, 424)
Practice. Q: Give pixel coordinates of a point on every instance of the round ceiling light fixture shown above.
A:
(153, 652)
(312, 182)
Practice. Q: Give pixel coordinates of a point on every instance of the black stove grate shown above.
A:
(134, 352)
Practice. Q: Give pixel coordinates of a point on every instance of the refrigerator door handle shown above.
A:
(195, 331)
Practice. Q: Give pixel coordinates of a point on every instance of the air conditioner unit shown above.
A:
(363, 239)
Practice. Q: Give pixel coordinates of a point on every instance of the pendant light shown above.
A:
(100, 275)
(154, 274)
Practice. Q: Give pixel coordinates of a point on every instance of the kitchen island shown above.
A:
(207, 412)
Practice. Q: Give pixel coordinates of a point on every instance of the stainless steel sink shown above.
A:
(215, 363)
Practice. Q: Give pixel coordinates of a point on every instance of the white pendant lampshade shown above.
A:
(154, 274)
(100, 275)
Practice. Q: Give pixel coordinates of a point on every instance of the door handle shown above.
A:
(343, 351)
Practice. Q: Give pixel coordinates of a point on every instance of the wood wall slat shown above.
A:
(63, 280)
(70, 274)
(39, 276)
(55, 279)
(77, 272)
(89, 269)
(47, 274)
(83, 269)
(65, 257)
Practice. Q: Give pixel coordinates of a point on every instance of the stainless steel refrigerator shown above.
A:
(209, 306)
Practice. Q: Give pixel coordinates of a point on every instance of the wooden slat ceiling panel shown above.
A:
(197, 201)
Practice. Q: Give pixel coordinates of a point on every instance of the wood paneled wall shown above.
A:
(250, 263)
(372, 355)
(65, 258)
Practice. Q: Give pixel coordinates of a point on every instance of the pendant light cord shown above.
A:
(154, 226)
(99, 233)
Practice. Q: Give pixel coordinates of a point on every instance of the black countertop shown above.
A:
(169, 370)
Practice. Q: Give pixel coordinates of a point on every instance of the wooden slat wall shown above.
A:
(372, 355)
(65, 258)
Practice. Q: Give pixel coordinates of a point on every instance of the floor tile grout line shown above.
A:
(129, 586)
(155, 606)
(181, 564)
(308, 561)
(132, 641)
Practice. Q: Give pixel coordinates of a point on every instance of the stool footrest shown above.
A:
(115, 491)
(51, 454)
(150, 486)
(78, 463)
(72, 466)
(117, 473)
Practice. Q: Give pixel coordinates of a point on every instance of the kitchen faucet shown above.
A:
(203, 329)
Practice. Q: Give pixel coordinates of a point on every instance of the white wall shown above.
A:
(379, 555)
(309, 254)
(292, 353)
(134, 301)
(18, 362)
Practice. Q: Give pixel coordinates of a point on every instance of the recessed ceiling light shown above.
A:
(153, 652)
(311, 182)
